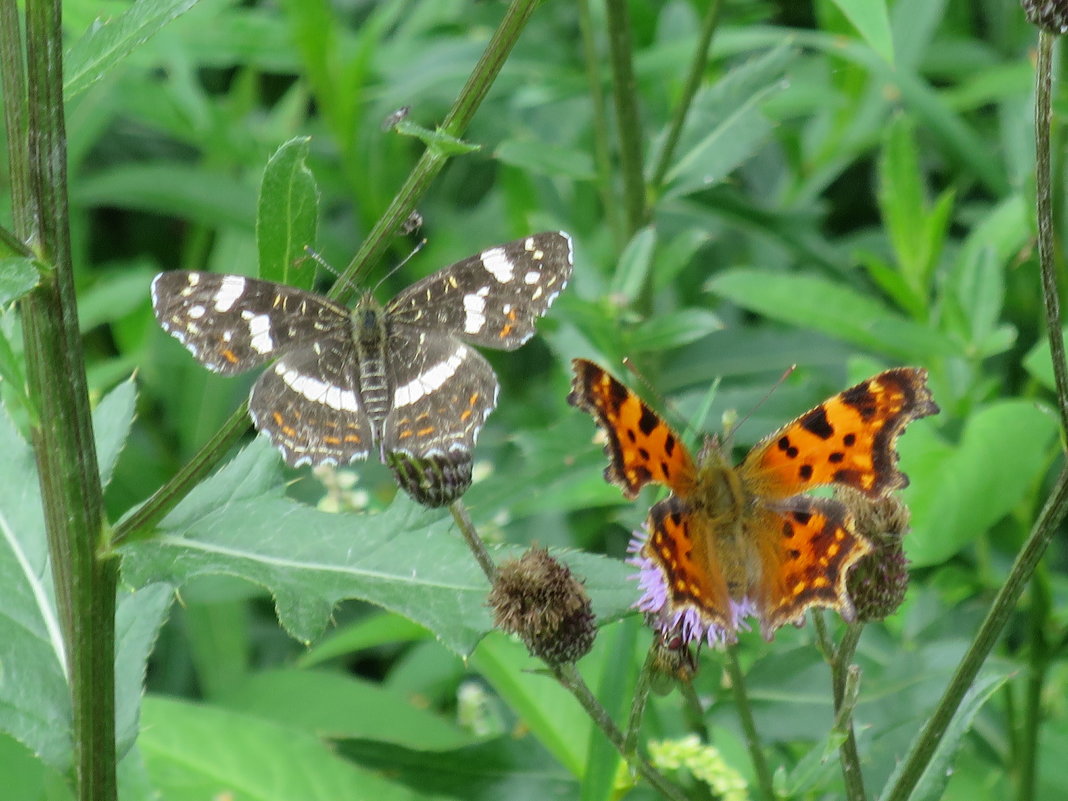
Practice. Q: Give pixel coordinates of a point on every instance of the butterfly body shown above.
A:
(733, 541)
(398, 378)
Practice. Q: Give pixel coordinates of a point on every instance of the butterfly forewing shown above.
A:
(492, 298)
(231, 323)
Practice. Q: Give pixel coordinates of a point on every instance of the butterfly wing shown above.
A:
(443, 393)
(231, 323)
(805, 548)
(309, 406)
(848, 439)
(492, 298)
(641, 447)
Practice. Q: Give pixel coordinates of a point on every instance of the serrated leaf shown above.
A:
(194, 752)
(110, 41)
(138, 618)
(287, 215)
(821, 305)
(406, 559)
(18, 275)
(439, 141)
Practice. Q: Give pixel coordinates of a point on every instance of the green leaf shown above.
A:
(674, 330)
(112, 419)
(376, 629)
(957, 493)
(818, 304)
(321, 702)
(543, 158)
(439, 141)
(724, 125)
(407, 559)
(1039, 361)
(18, 276)
(110, 41)
(903, 201)
(287, 217)
(196, 193)
(35, 709)
(633, 269)
(194, 752)
(872, 22)
(932, 783)
(513, 767)
(115, 293)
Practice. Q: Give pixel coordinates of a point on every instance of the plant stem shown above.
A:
(433, 160)
(745, 716)
(693, 82)
(848, 755)
(1038, 665)
(569, 677)
(601, 148)
(924, 745)
(628, 120)
(474, 541)
(61, 424)
(1044, 209)
(140, 522)
(637, 704)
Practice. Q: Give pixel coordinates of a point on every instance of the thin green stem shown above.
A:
(693, 83)
(61, 425)
(628, 120)
(433, 160)
(166, 497)
(637, 704)
(745, 716)
(602, 151)
(474, 541)
(1038, 664)
(925, 744)
(569, 677)
(848, 755)
(1044, 209)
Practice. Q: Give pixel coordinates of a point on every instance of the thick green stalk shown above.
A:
(628, 120)
(61, 424)
(848, 755)
(420, 178)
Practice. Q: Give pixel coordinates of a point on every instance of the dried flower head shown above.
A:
(878, 581)
(1049, 14)
(538, 598)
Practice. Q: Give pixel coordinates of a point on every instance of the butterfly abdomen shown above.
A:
(369, 336)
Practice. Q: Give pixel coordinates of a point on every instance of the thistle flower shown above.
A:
(538, 598)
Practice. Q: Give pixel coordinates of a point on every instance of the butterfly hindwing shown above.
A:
(231, 323)
(492, 298)
(443, 393)
(308, 406)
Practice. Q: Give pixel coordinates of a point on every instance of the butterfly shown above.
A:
(733, 541)
(398, 379)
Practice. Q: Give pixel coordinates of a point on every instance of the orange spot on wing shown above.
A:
(278, 419)
(331, 440)
(229, 356)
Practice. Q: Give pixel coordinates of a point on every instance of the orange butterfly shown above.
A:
(737, 541)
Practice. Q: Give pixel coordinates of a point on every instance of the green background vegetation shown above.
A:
(852, 188)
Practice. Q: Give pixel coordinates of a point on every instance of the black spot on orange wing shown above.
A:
(816, 422)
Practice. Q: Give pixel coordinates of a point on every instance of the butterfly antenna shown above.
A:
(736, 424)
(418, 246)
(314, 255)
